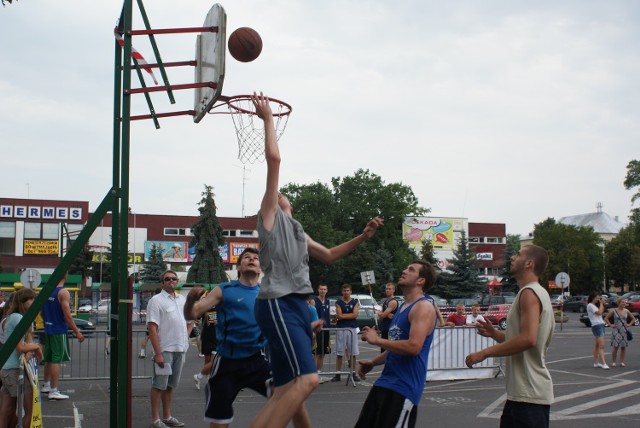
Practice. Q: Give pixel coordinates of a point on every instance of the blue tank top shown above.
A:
(386, 322)
(405, 374)
(237, 329)
(347, 308)
(54, 322)
(323, 309)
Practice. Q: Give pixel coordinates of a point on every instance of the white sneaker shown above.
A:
(45, 388)
(196, 378)
(142, 354)
(57, 395)
(597, 365)
(604, 366)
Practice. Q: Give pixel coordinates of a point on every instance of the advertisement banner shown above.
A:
(222, 249)
(484, 256)
(442, 232)
(103, 257)
(41, 247)
(236, 248)
(172, 251)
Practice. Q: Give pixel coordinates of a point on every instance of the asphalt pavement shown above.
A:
(585, 397)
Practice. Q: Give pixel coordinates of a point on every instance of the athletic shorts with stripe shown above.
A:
(386, 408)
(286, 323)
(56, 348)
(228, 377)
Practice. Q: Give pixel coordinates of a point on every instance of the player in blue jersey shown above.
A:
(394, 398)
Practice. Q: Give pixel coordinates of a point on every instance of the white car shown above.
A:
(364, 300)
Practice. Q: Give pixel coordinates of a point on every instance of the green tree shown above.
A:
(462, 277)
(207, 266)
(332, 215)
(427, 253)
(512, 247)
(574, 250)
(631, 181)
(622, 255)
(102, 267)
(83, 263)
(154, 267)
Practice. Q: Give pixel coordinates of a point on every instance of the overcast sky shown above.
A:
(497, 111)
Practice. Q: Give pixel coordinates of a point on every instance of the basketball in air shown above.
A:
(245, 44)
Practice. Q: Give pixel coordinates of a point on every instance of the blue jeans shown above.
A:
(524, 415)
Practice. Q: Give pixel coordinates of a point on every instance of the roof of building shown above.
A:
(600, 221)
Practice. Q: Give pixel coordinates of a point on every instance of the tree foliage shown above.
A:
(462, 277)
(512, 247)
(623, 258)
(574, 250)
(207, 266)
(631, 181)
(334, 214)
(154, 267)
(83, 263)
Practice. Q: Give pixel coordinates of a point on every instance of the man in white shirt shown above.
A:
(169, 337)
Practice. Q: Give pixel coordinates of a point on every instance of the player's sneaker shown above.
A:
(45, 388)
(57, 395)
(173, 422)
(196, 379)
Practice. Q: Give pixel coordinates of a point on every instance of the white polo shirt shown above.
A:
(167, 312)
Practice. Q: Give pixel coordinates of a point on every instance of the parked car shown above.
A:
(466, 301)
(497, 314)
(439, 301)
(575, 304)
(633, 303)
(86, 327)
(365, 302)
(487, 301)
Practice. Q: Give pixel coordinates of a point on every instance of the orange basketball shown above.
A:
(245, 44)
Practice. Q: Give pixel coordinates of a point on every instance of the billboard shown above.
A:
(236, 248)
(41, 247)
(444, 233)
(172, 251)
(222, 249)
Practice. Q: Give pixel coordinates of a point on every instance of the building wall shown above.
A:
(489, 241)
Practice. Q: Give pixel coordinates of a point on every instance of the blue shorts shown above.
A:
(598, 330)
(286, 323)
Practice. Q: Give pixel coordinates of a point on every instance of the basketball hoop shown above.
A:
(249, 127)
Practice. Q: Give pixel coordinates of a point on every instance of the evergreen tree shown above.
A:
(207, 267)
(83, 263)
(427, 253)
(102, 268)
(154, 267)
(461, 277)
(508, 281)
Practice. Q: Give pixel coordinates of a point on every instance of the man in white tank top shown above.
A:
(530, 325)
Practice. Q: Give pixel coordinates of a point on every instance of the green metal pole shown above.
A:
(124, 349)
(113, 359)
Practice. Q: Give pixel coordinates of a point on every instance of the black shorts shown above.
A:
(323, 344)
(386, 408)
(228, 377)
(208, 339)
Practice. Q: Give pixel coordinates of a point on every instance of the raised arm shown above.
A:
(64, 297)
(331, 255)
(195, 307)
(272, 157)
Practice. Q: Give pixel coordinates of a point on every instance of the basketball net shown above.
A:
(250, 128)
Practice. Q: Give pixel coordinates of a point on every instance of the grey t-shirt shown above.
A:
(284, 258)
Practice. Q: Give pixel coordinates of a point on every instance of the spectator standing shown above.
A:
(57, 321)
(10, 372)
(169, 336)
(323, 307)
(459, 317)
(393, 400)
(530, 325)
(474, 316)
(389, 308)
(208, 343)
(595, 310)
(347, 310)
(620, 319)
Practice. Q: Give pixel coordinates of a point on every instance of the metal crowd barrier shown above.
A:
(90, 360)
(330, 358)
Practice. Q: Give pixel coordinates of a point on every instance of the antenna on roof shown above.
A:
(599, 207)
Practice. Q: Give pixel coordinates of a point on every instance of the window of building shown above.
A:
(228, 233)
(246, 233)
(41, 230)
(7, 238)
(474, 240)
(177, 231)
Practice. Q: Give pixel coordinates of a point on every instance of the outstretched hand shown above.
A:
(372, 226)
(261, 103)
(485, 328)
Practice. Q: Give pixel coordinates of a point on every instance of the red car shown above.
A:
(633, 303)
(497, 314)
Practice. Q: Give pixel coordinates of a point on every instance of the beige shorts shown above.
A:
(9, 379)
